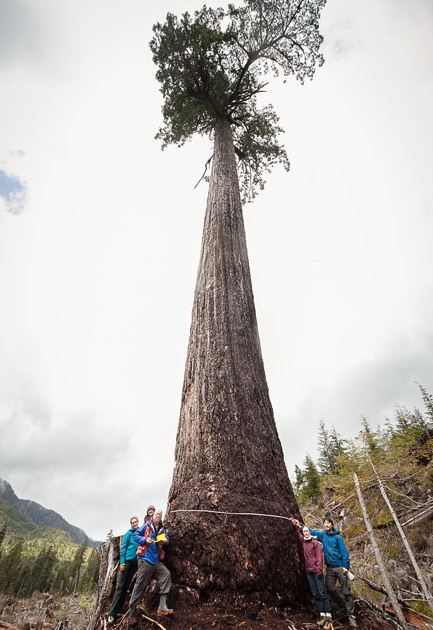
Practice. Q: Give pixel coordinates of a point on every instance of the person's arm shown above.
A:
(123, 549)
(319, 558)
(138, 535)
(319, 533)
(345, 561)
(299, 527)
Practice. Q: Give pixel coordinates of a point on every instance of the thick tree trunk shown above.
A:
(228, 454)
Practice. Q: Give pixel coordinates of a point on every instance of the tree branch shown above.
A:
(205, 169)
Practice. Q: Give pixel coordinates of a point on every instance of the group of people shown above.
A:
(141, 557)
(327, 542)
(142, 552)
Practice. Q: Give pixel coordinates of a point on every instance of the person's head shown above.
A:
(157, 517)
(306, 532)
(134, 522)
(328, 524)
(149, 513)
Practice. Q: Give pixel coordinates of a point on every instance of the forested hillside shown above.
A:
(401, 453)
(42, 559)
(48, 562)
(43, 516)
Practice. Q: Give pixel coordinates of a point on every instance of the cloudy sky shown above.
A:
(100, 234)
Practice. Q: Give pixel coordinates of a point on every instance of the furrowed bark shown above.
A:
(228, 454)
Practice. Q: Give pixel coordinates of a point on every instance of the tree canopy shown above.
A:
(213, 65)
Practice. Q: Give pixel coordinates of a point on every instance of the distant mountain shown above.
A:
(42, 516)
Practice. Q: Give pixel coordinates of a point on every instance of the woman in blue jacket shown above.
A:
(128, 568)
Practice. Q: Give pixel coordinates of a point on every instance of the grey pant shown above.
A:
(145, 572)
(332, 575)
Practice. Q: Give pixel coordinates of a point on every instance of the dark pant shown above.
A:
(147, 571)
(332, 575)
(125, 578)
(317, 586)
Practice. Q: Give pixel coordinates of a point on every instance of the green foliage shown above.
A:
(369, 437)
(8, 568)
(75, 568)
(211, 65)
(41, 576)
(308, 481)
(331, 447)
(35, 515)
(2, 536)
(89, 579)
(44, 559)
(428, 402)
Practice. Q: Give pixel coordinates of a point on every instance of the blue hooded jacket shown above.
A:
(153, 552)
(334, 549)
(128, 550)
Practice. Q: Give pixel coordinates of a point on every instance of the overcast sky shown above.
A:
(100, 235)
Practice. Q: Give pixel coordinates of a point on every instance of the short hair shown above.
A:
(329, 519)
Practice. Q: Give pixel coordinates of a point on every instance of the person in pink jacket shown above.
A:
(313, 555)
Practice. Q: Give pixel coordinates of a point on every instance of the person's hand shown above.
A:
(345, 571)
(122, 567)
(320, 575)
(149, 541)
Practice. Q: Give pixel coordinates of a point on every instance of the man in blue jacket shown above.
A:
(337, 568)
(151, 537)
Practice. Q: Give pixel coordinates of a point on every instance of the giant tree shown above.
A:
(212, 66)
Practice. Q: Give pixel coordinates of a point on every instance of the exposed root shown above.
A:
(153, 621)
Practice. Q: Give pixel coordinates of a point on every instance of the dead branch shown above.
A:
(205, 169)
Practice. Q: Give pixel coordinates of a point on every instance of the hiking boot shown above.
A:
(352, 621)
(165, 611)
(110, 619)
(328, 625)
(322, 621)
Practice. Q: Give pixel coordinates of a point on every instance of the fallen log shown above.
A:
(412, 616)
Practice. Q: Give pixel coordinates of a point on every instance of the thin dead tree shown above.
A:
(388, 587)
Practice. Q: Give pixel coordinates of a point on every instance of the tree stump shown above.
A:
(109, 556)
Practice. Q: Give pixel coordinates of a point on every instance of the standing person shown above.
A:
(314, 567)
(337, 567)
(149, 513)
(149, 555)
(128, 567)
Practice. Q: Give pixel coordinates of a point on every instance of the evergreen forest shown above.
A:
(46, 565)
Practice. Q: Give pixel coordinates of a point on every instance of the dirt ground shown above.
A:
(206, 618)
(72, 614)
(46, 612)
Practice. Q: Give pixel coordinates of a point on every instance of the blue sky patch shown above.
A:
(13, 192)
